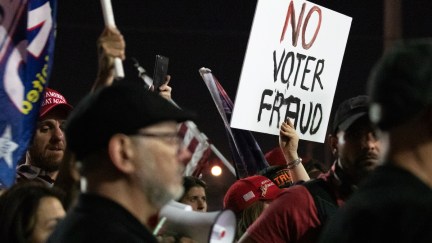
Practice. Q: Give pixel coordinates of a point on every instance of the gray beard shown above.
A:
(158, 196)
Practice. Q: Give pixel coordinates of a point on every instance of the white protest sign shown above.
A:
(291, 68)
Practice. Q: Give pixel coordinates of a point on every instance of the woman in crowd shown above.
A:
(29, 212)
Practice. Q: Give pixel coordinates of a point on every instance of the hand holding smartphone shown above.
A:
(160, 71)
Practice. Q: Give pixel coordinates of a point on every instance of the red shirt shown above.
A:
(293, 216)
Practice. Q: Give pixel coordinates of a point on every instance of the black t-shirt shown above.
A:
(392, 205)
(98, 219)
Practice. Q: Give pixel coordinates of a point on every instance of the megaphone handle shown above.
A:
(159, 226)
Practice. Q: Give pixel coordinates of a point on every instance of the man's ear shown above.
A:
(121, 153)
(333, 141)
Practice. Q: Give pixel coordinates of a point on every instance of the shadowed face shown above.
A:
(358, 149)
(48, 145)
(48, 214)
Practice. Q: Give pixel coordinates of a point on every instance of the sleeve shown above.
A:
(289, 218)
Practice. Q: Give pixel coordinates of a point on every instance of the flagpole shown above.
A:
(109, 21)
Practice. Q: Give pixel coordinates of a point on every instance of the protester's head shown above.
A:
(194, 193)
(47, 147)
(248, 197)
(244, 192)
(279, 174)
(354, 141)
(400, 85)
(249, 215)
(29, 212)
(277, 171)
(126, 134)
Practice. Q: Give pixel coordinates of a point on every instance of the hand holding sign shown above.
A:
(288, 141)
(109, 21)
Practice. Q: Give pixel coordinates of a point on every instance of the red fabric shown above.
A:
(53, 99)
(246, 191)
(296, 221)
(198, 145)
(275, 157)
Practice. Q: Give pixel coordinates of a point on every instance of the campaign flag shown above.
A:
(247, 155)
(197, 143)
(26, 55)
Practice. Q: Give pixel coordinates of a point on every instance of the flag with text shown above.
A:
(26, 55)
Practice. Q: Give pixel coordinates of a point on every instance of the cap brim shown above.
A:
(350, 120)
(63, 106)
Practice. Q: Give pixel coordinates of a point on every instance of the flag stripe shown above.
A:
(197, 144)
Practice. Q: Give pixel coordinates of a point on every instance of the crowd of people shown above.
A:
(113, 161)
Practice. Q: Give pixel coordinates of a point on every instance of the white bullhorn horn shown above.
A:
(212, 227)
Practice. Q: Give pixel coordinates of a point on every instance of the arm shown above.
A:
(110, 45)
(288, 141)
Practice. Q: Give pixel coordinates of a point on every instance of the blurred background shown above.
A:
(214, 34)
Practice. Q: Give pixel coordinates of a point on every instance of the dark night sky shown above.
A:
(212, 34)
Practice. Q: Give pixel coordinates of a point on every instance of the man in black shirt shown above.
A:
(395, 202)
(126, 143)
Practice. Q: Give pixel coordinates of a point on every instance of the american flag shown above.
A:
(26, 55)
(247, 155)
(197, 143)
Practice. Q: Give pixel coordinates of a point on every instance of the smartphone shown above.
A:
(160, 71)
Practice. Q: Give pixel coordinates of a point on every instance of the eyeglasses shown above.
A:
(168, 137)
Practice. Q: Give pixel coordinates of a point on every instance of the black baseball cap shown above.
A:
(124, 107)
(400, 85)
(350, 111)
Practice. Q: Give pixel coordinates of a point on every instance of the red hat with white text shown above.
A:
(246, 191)
(53, 99)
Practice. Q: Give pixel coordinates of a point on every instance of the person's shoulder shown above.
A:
(86, 229)
(370, 213)
(293, 191)
(293, 198)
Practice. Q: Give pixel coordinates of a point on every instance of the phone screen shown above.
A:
(160, 71)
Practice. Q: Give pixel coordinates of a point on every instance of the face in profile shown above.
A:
(49, 212)
(196, 198)
(159, 162)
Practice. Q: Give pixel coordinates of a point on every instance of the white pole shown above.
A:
(109, 21)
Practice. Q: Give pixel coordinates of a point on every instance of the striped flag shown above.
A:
(197, 143)
(247, 155)
(26, 50)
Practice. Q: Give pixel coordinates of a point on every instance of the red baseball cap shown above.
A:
(246, 191)
(53, 99)
(275, 157)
